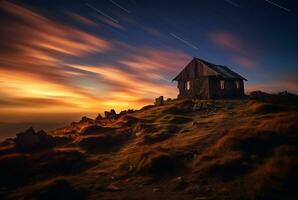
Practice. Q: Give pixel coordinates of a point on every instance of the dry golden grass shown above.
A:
(229, 149)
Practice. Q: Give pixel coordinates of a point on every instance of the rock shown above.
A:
(258, 95)
(113, 112)
(95, 129)
(86, 120)
(179, 184)
(138, 133)
(196, 124)
(159, 101)
(123, 112)
(29, 140)
(58, 189)
(147, 107)
(111, 115)
(7, 142)
(142, 128)
(127, 120)
(197, 107)
(99, 117)
(112, 187)
(204, 106)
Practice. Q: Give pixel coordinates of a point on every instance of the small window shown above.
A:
(187, 85)
(237, 84)
(222, 84)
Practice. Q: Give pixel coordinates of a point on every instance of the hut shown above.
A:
(204, 80)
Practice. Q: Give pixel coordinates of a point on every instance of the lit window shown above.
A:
(187, 85)
(237, 84)
(222, 84)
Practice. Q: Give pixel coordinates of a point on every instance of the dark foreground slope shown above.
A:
(224, 149)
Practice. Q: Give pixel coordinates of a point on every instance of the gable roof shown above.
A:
(199, 67)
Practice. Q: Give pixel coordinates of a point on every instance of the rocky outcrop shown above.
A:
(31, 140)
(96, 129)
(124, 112)
(159, 101)
(111, 115)
(141, 128)
(99, 117)
(86, 120)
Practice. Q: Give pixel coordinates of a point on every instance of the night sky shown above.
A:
(84, 57)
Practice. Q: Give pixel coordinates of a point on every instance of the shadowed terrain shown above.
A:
(202, 149)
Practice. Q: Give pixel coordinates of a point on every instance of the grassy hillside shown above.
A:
(220, 149)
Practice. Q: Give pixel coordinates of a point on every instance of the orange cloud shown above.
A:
(233, 43)
(36, 75)
(41, 33)
(81, 19)
(110, 23)
(157, 64)
(244, 61)
(131, 82)
(227, 41)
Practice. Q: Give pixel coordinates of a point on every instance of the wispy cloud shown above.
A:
(111, 23)
(39, 73)
(81, 19)
(244, 61)
(227, 41)
(242, 53)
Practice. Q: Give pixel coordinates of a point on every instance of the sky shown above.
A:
(64, 59)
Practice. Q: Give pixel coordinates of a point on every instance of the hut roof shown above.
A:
(192, 70)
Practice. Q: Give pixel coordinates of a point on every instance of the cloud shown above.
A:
(121, 80)
(241, 51)
(244, 61)
(227, 41)
(39, 73)
(44, 34)
(111, 23)
(156, 63)
(81, 19)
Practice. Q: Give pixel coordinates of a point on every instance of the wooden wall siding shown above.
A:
(199, 89)
(209, 88)
(229, 91)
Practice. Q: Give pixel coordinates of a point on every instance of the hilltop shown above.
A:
(184, 149)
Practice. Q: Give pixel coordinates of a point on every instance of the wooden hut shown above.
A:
(203, 80)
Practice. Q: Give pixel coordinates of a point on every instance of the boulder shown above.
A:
(112, 187)
(127, 120)
(124, 112)
(31, 140)
(111, 115)
(99, 117)
(95, 129)
(141, 128)
(86, 120)
(159, 101)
